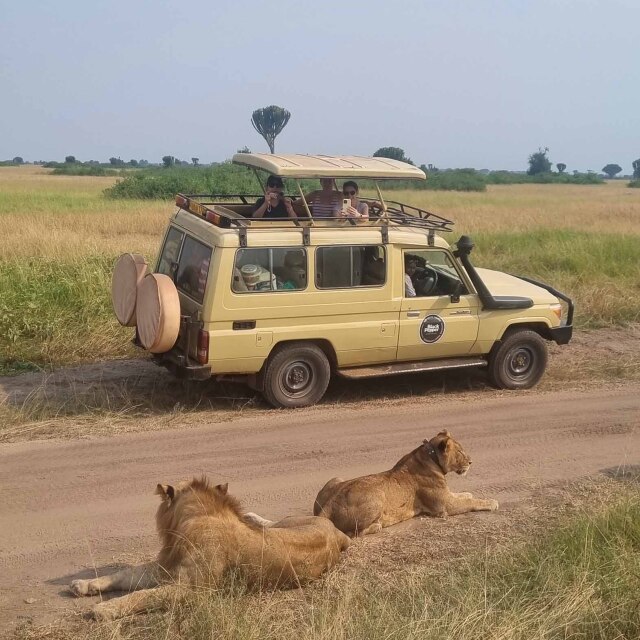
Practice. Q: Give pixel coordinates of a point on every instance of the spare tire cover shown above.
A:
(129, 270)
(158, 313)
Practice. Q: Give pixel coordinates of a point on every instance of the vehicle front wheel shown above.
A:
(297, 375)
(519, 361)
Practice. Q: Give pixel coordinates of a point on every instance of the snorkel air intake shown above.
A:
(464, 248)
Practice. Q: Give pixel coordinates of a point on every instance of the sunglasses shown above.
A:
(349, 193)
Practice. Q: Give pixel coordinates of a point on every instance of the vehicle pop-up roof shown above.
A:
(299, 166)
(302, 166)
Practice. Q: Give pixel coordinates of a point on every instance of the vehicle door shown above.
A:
(439, 313)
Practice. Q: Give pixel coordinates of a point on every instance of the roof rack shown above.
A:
(212, 208)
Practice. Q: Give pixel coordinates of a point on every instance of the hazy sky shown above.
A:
(454, 83)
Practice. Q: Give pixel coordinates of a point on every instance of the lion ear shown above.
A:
(166, 491)
(444, 444)
(445, 433)
(223, 488)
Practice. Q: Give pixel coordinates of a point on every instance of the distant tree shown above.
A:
(393, 153)
(168, 161)
(561, 166)
(116, 162)
(133, 163)
(539, 162)
(196, 161)
(143, 163)
(611, 170)
(18, 160)
(636, 169)
(427, 168)
(70, 159)
(269, 123)
(244, 149)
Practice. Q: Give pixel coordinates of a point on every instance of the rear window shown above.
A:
(186, 261)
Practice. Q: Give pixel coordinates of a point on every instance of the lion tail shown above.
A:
(324, 496)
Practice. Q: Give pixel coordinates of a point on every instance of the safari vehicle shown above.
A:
(285, 304)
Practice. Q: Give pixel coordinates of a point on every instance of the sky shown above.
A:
(455, 83)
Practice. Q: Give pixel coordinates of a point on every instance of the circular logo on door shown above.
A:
(431, 329)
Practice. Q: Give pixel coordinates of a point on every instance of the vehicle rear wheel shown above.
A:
(519, 362)
(297, 375)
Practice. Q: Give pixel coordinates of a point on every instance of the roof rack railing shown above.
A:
(395, 213)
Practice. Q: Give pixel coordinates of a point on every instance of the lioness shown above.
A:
(204, 535)
(416, 485)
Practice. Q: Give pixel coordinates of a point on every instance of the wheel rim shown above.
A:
(296, 378)
(520, 363)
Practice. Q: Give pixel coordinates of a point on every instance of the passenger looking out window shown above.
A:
(270, 269)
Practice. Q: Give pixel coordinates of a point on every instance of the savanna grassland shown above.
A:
(570, 573)
(59, 237)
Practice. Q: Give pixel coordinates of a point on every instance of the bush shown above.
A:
(634, 184)
(511, 177)
(164, 183)
(456, 180)
(84, 170)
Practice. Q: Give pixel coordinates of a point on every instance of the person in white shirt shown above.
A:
(409, 270)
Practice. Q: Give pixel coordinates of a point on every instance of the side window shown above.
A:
(270, 269)
(431, 273)
(344, 267)
(193, 268)
(170, 252)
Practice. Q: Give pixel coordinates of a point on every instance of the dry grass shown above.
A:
(563, 565)
(59, 238)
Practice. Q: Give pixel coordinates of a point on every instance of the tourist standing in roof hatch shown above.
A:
(325, 202)
(274, 205)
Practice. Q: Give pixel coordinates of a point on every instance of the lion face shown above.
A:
(451, 455)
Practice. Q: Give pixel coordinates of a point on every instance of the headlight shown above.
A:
(557, 309)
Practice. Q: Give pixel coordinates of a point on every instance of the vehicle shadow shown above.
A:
(141, 388)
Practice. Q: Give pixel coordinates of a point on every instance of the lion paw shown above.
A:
(81, 588)
(493, 505)
(103, 612)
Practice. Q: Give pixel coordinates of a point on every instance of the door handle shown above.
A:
(413, 314)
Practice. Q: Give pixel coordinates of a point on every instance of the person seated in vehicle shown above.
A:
(410, 266)
(358, 210)
(325, 202)
(274, 205)
(293, 274)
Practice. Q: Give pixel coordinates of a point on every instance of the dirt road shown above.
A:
(71, 507)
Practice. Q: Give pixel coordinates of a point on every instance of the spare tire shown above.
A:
(158, 313)
(129, 270)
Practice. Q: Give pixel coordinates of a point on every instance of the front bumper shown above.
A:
(563, 333)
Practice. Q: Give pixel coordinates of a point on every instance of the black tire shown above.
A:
(519, 361)
(297, 375)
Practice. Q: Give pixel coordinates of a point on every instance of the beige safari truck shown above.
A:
(285, 304)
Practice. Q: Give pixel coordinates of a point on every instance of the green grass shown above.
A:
(55, 311)
(601, 272)
(580, 581)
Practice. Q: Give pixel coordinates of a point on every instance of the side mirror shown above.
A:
(455, 294)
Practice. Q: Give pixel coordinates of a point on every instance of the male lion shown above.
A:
(205, 535)
(416, 485)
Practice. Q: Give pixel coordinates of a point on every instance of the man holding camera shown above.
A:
(274, 205)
